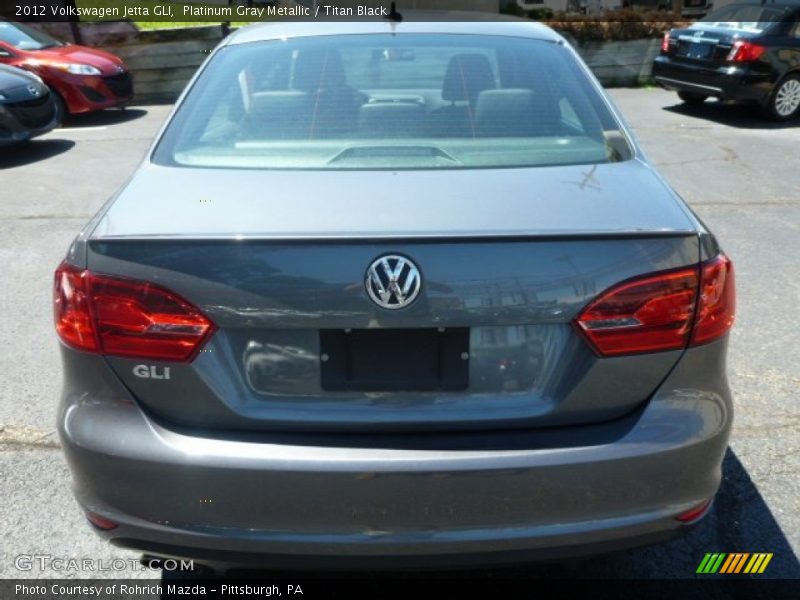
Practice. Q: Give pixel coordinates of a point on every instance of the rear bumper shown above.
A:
(239, 500)
(723, 82)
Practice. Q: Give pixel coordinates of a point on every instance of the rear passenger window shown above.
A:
(391, 102)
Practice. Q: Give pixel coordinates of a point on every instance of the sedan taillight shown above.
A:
(716, 308)
(744, 51)
(126, 317)
(665, 43)
(664, 311)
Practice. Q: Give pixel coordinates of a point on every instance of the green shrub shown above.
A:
(537, 14)
(612, 26)
(541, 14)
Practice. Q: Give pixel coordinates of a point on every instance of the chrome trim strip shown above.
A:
(691, 38)
(688, 83)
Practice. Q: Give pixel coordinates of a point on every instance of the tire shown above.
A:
(61, 107)
(692, 99)
(784, 103)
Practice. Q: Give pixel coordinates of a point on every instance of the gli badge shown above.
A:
(151, 372)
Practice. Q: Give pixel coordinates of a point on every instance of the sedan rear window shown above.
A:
(403, 101)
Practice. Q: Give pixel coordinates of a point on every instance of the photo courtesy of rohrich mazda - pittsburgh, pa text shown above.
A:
(394, 294)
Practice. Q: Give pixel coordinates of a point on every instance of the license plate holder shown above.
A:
(698, 50)
(380, 360)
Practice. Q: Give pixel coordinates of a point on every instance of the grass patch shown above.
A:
(153, 25)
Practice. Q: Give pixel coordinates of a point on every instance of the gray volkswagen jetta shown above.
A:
(399, 294)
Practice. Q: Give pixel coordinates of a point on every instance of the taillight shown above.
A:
(101, 522)
(693, 514)
(71, 309)
(716, 307)
(662, 311)
(647, 314)
(665, 43)
(126, 317)
(744, 51)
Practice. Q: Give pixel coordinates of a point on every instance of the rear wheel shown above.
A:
(692, 99)
(784, 104)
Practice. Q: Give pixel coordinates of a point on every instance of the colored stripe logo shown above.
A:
(734, 562)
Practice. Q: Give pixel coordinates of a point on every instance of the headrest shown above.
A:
(315, 70)
(467, 75)
(391, 119)
(280, 115)
(508, 112)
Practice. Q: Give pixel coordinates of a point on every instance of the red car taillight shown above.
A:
(101, 522)
(694, 513)
(744, 51)
(716, 308)
(663, 311)
(644, 315)
(73, 318)
(126, 317)
(665, 43)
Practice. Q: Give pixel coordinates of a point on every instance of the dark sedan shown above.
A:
(26, 106)
(747, 52)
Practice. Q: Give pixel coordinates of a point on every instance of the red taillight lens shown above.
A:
(744, 51)
(694, 513)
(100, 522)
(664, 311)
(125, 317)
(643, 315)
(716, 308)
(665, 43)
(71, 309)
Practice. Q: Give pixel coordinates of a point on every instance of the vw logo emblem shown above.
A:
(393, 281)
(33, 90)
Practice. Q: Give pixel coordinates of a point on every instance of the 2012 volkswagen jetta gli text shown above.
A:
(397, 293)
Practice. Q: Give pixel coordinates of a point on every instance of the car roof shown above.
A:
(444, 22)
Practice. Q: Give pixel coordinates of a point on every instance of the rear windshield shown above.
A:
(402, 101)
(744, 17)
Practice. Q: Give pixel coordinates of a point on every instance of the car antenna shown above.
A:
(393, 14)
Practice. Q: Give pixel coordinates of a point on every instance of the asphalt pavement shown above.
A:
(739, 173)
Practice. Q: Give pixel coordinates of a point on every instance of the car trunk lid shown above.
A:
(278, 262)
(708, 45)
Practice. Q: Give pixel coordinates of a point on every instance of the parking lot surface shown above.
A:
(739, 173)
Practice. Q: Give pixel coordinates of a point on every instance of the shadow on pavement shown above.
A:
(743, 116)
(111, 116)
(33, 151)
(740, 521)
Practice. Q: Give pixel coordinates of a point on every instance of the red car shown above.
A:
(82, 79)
